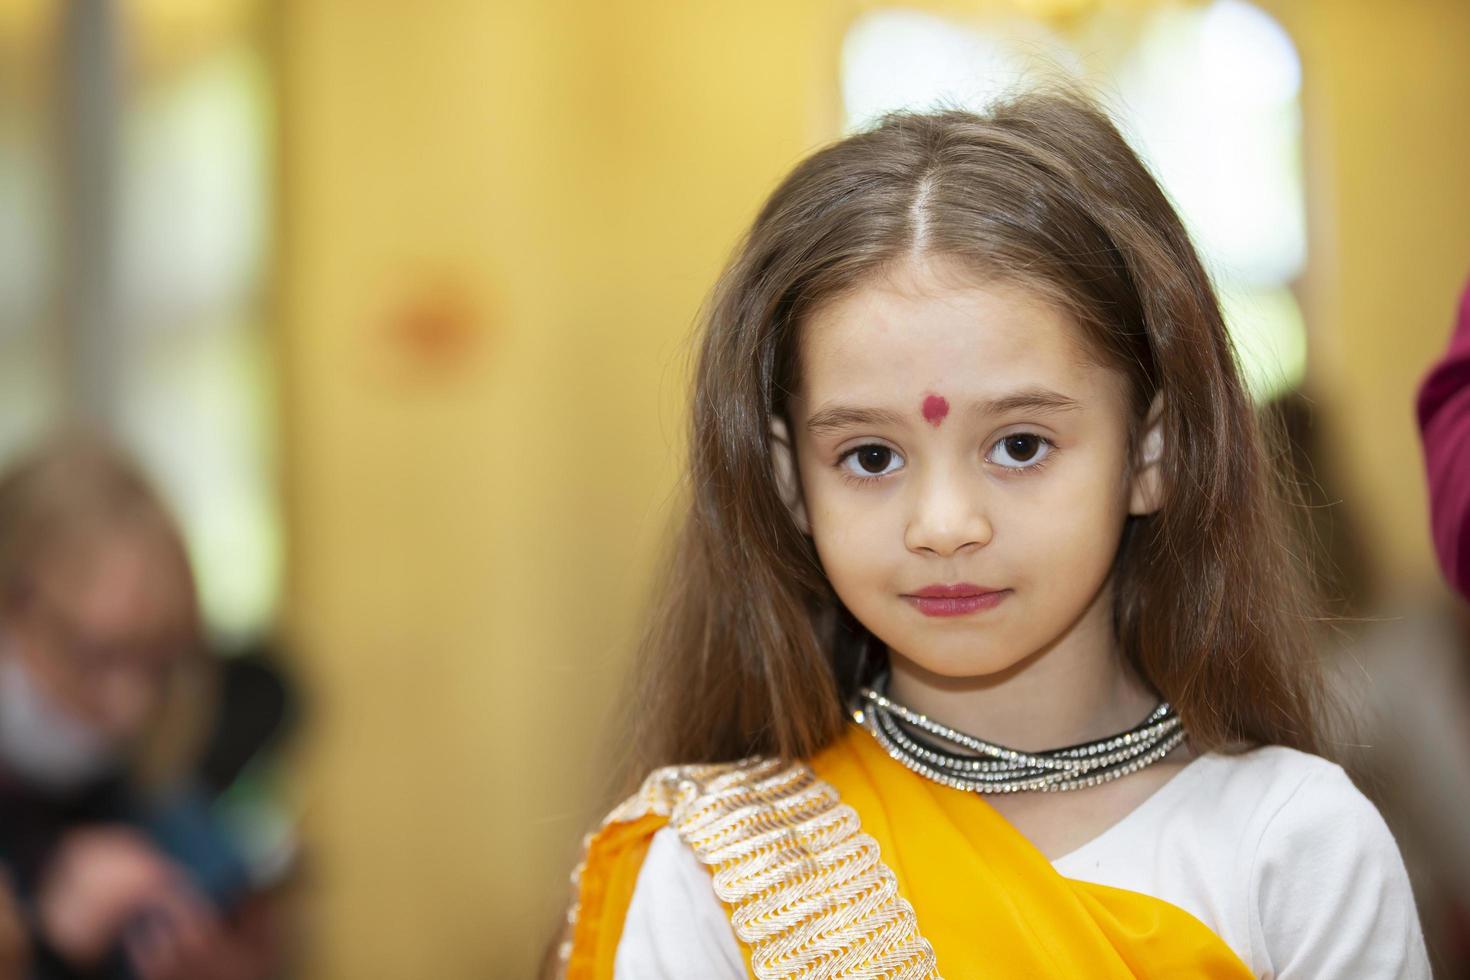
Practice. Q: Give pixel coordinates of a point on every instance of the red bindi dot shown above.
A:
(935, 409)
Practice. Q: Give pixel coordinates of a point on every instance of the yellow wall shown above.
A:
(470, 541)
(468, 551)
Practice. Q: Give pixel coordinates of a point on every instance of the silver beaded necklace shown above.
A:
(998, 769)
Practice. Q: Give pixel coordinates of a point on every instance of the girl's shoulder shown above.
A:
(1269, 812)
(1327, 884)
(675, 925)
(642, 896)
(1286, 858)
(1272, 793)
(1276, 774)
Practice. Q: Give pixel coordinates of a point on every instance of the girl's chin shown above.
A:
(935, 668)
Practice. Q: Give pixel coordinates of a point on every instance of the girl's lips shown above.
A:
(955, 605)
(956, 591)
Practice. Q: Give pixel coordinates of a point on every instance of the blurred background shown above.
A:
(393, 304)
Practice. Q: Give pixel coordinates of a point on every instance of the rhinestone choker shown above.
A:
(997, 769)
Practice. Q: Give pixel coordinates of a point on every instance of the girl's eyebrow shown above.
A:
(1035, 399)
(840, 417)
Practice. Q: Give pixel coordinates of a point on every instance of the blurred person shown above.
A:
(118, 868)
(1412, 676)
(1444, 424)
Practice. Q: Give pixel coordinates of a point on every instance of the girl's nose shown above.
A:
(949, 515)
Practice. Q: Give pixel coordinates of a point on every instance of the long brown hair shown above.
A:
(750, 651)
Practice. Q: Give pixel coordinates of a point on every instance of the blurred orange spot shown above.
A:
(435, 330)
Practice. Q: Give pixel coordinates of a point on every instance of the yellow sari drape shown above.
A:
(990, 904)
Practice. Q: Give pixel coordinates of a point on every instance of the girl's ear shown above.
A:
(1145, 494)
(788, 482)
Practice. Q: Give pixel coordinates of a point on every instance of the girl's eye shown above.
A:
(870, 462)
(1021, 450)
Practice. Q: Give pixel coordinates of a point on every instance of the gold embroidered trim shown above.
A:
(809, 892)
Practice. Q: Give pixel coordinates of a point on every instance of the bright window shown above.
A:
(1208, 95)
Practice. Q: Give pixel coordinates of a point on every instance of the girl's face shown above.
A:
(959, 439)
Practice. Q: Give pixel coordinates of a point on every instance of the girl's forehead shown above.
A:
(912, 331)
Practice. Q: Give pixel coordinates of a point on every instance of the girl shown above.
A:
(983, 651)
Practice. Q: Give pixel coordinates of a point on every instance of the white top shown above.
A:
(1275, 850)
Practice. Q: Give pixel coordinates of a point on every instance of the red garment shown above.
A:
(1444, 424)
